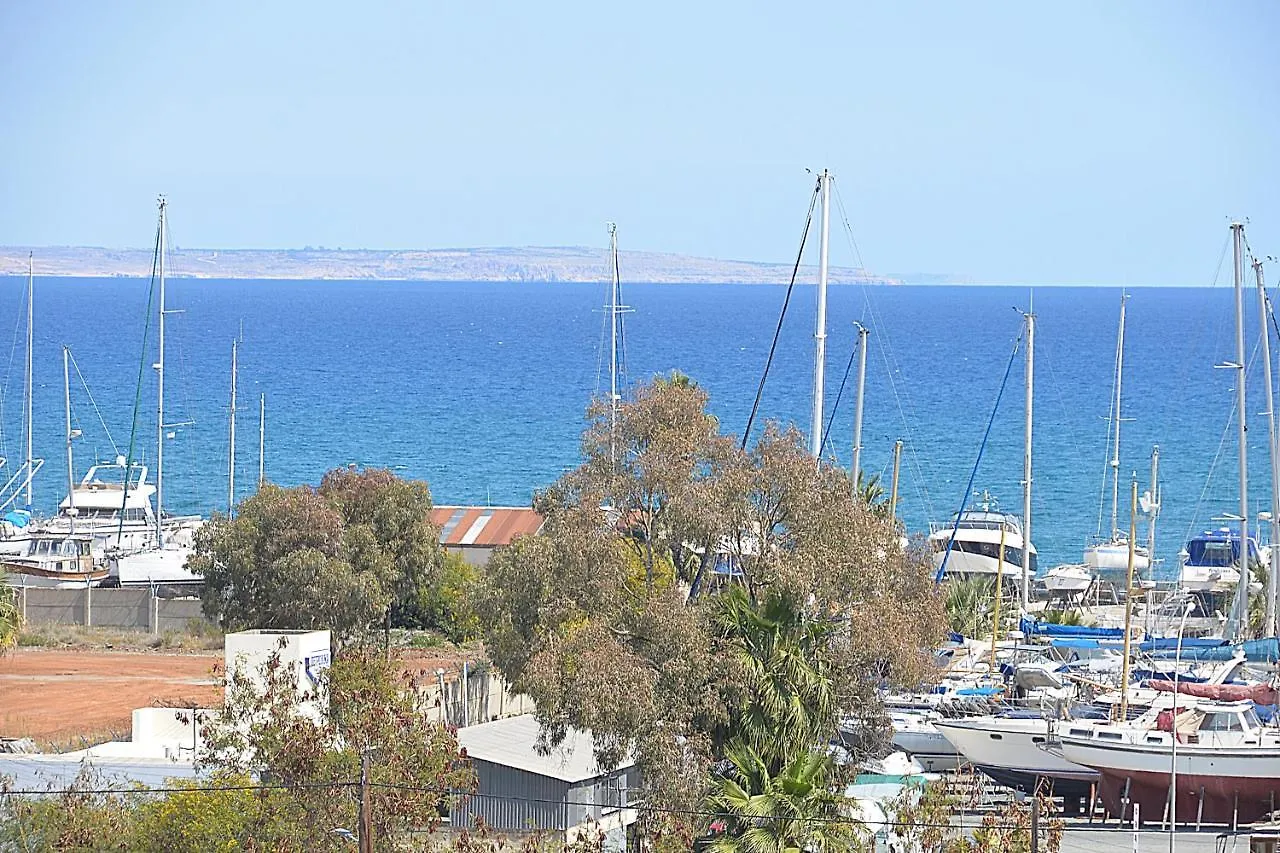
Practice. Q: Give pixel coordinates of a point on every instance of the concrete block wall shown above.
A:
(135, 609)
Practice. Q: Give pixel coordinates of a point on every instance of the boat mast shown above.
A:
(160, 238)
(893, 490)
(1155, 503)
(613, 349)
(31, 292)
(231, 447)
(1128, 603)
(71, 470)
(1026, 459)
(262, 439)
(820, 331)
(1115, 408)
(1240, 612)
(1264, 306)
(856, 470)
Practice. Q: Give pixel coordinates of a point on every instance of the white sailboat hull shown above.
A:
(1012, 745)
(1062, 580)
(1114, 557)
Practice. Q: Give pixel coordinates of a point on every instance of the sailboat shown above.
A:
(164, 560)
(15, 522)
(1109, 557)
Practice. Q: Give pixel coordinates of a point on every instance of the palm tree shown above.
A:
(791, 705)
(969, 604)
(791, 811)
(871, 493)
(10, 616)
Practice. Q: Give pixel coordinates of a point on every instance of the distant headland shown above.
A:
(531, 264)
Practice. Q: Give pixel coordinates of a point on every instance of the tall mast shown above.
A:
(231, 446)
(1026, 459)
(1155, 502)
(863, 335)
(613, 348)
(31, 292)
(893, 490)
(160, 241)
(1264, 309)
(820, 331)
(71, 469)
(262, 439)
(1115, 409)
(1240, 613)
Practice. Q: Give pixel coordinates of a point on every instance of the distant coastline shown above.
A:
(528, 264)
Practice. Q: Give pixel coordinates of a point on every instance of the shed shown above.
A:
(475, 531)
(519, 790)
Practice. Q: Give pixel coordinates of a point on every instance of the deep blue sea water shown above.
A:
(481, 388)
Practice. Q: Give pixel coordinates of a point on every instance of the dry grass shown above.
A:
(199, 636)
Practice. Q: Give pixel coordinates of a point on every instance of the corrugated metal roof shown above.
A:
(484, 526)
(510, 742)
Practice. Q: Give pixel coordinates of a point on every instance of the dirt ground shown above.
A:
(57, 696)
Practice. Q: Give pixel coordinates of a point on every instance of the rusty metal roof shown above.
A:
(484, 526)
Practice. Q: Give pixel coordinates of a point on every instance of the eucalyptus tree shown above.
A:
(596, 619)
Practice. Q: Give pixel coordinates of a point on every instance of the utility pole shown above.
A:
(820, 330)
(365, 824)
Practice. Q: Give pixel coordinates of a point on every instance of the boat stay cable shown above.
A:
(893, 369)
(773, 347)
(115, 449)
(853, 353)
(968, 489)
(137, 392)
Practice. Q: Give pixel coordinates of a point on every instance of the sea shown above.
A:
(481, 388)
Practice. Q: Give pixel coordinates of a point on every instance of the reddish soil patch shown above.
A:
(60, 696)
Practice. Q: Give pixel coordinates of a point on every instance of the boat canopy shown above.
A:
(1219, 549)
(1266, 650)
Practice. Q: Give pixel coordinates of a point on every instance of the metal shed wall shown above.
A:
(511, 799)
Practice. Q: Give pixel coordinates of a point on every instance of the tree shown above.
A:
(354, 553)
(10, 616)
(786, 811)
(314, 744)
(594, 618)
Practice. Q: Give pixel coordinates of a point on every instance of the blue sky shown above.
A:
(1021, 142)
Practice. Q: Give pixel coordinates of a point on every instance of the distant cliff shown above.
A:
(510, 264)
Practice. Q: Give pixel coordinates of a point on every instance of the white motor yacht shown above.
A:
(970, 544)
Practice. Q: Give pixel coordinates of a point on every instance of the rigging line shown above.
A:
(137, 392)
(773, 347)
(942, 569)
(1112, 424)
(1231, 419)
(840, 393)
(888, 356)
(94, 402)
(8, 375)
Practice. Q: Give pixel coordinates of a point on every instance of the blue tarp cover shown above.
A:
(1030, 627)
